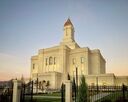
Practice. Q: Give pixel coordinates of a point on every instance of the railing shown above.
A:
(108, 93)
(5, 94)
(6, 91)
(27, 92)
(95, 93)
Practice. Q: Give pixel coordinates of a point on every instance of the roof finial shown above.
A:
(68, 17)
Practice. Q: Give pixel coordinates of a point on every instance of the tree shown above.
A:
(82, 92)
(74, 89)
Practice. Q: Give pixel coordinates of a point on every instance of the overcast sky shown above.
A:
(29, 25)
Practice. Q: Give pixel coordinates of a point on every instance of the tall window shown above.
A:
(73, 60)
(54, 60)
(33, 66)
(50, 60)
(82, 59)
(46, 61)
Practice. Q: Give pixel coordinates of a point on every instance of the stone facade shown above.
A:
(55, 63)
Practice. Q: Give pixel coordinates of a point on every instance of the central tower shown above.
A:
(68, 36)
(68, 31)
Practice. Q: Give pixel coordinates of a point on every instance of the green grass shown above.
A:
(50, 94)
(112, 97)
(44, 100)
(55, 97)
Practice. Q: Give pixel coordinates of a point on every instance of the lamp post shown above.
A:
(37, 84)
(76, 80)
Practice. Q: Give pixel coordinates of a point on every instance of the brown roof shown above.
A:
(68, 22)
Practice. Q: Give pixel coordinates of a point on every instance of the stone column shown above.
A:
(68, 91)
(16, 91)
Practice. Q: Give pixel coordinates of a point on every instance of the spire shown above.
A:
(22, 79)
(68, 38)
(68, 22)
(68, 31)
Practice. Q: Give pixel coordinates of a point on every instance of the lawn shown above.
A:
(44, 100)
(112, 97)
(50, 94)
(51, 97)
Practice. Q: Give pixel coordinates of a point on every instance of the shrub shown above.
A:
(82, 91)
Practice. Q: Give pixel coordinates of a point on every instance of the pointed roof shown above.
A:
(68, 22)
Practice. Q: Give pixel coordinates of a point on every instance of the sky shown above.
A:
(29, 25)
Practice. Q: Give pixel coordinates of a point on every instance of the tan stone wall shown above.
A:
(34, 65)
(52, 57)
(97, 62)
(76, 56)
(102, 79)
(121, 80)
(54, 78)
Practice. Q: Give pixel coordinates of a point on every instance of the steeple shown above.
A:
(68, 37)
(68, 31)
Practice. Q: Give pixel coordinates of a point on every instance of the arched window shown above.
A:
(82, 59)
(33, 66)
(46, 61)
(50, 60)
(73, 60)
(54, 60)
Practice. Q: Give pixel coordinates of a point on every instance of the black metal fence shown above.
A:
(95, 93)
(108, 93)
(27, 92)
(63, 92)
(6, 92)
(6, 95)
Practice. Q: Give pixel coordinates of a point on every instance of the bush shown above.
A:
(82, 91)
(106, 100)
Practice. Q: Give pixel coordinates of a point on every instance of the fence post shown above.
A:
(23, 93)
(68, 91)
(16, 91)
(74, 89)
(31, 91)
(62, 93)
(123, 89)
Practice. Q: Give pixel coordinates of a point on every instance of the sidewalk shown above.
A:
(98, 96)
(40, 96)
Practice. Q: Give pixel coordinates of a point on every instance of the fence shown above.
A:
(108, 93)
(6, 96)
(6, 92)
(95, 93)
(27, 92)
(63, 92)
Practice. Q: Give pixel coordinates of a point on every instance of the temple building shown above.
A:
(55, 63)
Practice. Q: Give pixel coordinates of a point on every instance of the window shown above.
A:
(50, 60)
(73, 60)
(33, 66)
(82, 59)
(54, 60)
(66, 32)
(46, 61)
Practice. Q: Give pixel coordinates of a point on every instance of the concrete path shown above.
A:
(98, 96)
